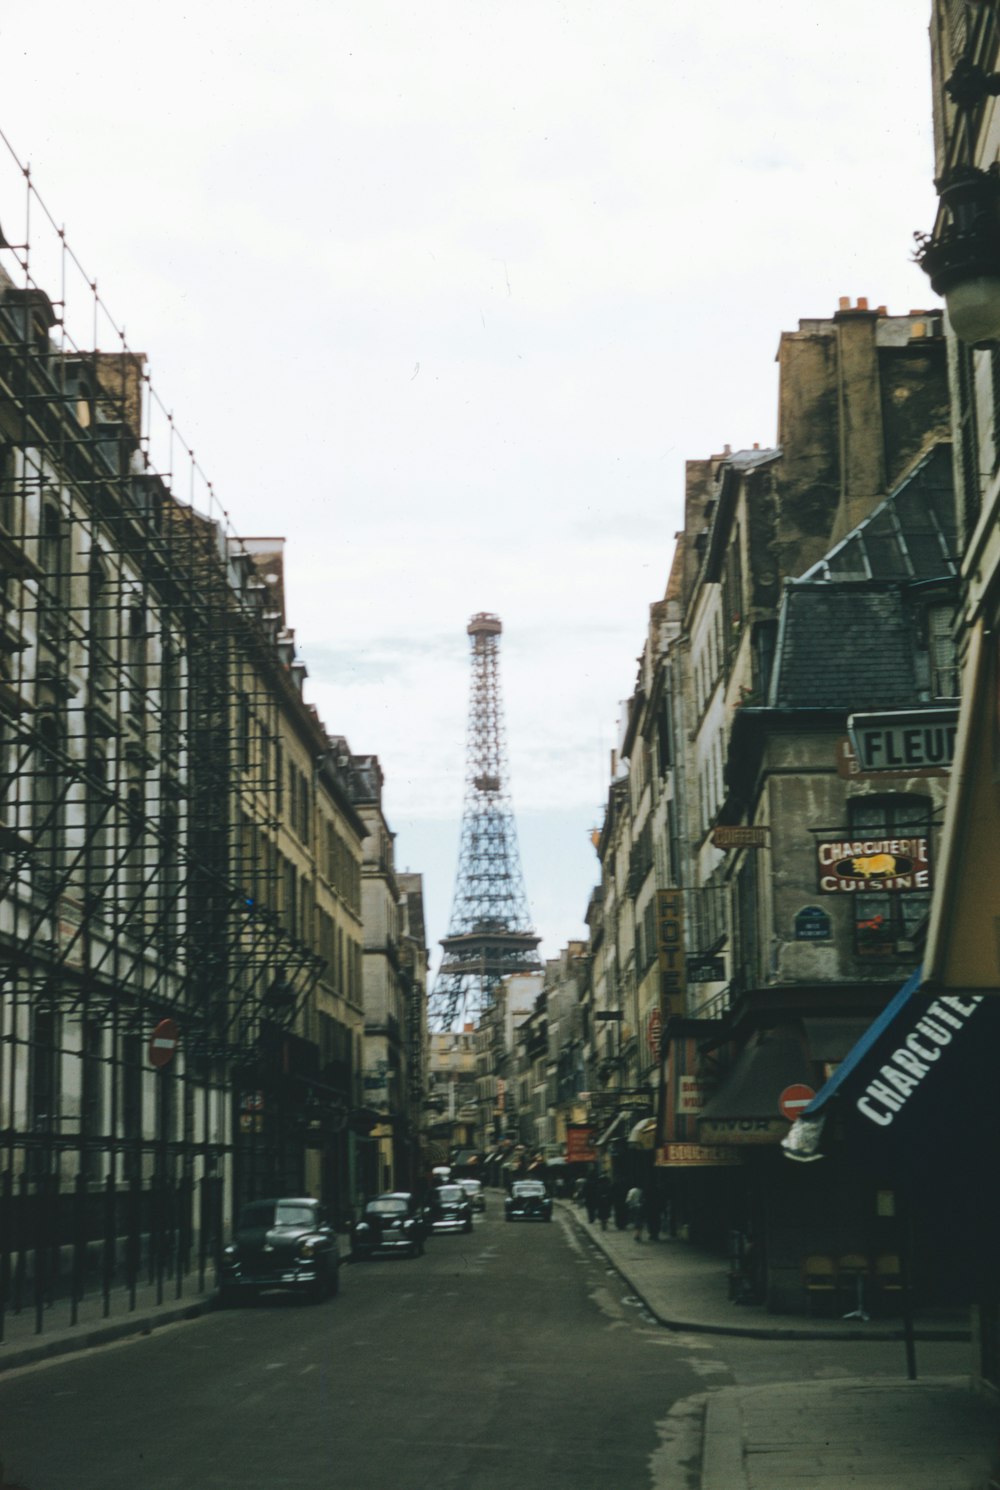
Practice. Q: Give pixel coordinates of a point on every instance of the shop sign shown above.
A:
(580, 1144)
(739, 836)
(812, 924)
(915, 741)
(905, 1068)
(692, 1093)
(670, 947)
(706, 969)
(654, 1029)
(696, 1154)
(893, 864)
(744, 1130)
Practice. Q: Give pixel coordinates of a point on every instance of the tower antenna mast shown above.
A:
(490, 934)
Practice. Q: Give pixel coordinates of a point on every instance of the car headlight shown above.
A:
(231, 1253)
(309, 1247)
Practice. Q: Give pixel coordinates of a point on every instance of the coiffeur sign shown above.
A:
(873, 864)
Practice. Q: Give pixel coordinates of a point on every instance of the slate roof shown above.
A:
(847, 627)
(845, 645)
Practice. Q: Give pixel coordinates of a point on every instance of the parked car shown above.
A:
(477, 1195)
(286, 1243)
(450, 1209)
(393, 1222)
(527, 1201)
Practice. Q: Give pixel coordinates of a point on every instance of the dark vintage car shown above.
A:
(450, 1209)
(527, 1201)
(477, 1195)
(287, 1243)
(389, 1223)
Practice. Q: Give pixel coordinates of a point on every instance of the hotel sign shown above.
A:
(670, 948)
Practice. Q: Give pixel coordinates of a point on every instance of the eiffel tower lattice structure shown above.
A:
(490, 934)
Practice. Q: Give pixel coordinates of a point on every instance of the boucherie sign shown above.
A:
(873, 864)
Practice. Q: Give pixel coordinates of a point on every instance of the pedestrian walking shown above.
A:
(590, 1195)
(619, 1202)
(636, 1202)
(604, 1201)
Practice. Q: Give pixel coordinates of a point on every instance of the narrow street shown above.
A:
(512, 1356)
(508, 1357)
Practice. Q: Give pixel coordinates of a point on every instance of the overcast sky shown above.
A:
(447, 292)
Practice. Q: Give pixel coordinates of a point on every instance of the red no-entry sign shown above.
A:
(793, 1099)
(163, 1042)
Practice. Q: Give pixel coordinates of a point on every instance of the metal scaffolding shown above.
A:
(141, 890)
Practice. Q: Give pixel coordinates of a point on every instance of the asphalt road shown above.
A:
(509, 1357)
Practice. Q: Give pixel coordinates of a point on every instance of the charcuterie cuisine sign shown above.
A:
(873, 864)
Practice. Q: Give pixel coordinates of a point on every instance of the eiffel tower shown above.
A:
(490, 933)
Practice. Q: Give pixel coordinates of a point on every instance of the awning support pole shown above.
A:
(906, 1276)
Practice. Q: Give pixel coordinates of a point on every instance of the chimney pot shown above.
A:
(862, 302)
(845, 302)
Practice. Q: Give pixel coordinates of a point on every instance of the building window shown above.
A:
(91, 1094)
(43, 1072)
(99, 601)
(137, 660)
(47, 816)
(887, 922)
(942, 653)
(130, 1123)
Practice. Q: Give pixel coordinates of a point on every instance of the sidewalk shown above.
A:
(862, 1433)
(23, 1344)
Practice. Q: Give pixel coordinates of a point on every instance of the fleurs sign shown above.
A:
(873, 864)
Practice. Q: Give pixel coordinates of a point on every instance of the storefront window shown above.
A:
(886, 922)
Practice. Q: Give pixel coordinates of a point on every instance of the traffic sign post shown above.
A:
(163, 1043)
(794, 1099)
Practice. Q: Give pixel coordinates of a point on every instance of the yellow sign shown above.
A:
(670, 947)
(692, 1154)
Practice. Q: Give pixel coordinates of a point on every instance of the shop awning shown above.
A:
(963, 954)
(618, 1121)
(747, 1106)
(642, 1135)
(922, 1067)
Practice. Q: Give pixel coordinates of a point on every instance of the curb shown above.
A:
(723, 1461)
(761, 1332)
(12, 1358)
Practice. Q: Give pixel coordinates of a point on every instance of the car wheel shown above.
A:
(335, 1281)
(320, 1288)
(227, 1297)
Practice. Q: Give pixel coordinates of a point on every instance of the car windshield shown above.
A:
(450, 1193)
(265, 1214)
(529, 1187)
(387, 1206)
(472, 1187)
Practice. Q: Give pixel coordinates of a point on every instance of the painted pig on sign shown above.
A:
(875, 864)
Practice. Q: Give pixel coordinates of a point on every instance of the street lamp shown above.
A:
(962, 259)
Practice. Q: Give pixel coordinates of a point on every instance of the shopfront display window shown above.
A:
(886, 922)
